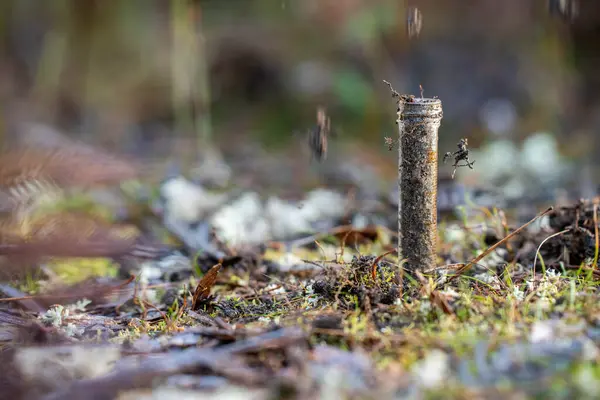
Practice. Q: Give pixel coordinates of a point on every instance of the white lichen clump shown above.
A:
(546, 289)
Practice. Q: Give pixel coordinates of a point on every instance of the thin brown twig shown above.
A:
(493, 247)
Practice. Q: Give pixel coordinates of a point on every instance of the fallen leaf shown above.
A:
(206, 283)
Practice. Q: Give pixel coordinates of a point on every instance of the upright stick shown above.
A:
(418, 122)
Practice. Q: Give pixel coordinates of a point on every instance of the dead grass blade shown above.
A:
(537, 252)
(376, 261)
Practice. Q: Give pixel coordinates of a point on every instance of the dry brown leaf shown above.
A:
(435, 297)
(206, 283)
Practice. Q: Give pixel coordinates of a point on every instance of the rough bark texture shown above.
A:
(418, 121)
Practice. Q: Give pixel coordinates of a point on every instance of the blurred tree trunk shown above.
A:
(584, 31)
(583, 116)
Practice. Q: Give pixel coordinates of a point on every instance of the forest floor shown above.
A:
(334, 315)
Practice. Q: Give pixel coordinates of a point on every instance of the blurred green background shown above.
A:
(168, 78)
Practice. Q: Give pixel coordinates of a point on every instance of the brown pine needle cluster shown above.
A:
(29, 177)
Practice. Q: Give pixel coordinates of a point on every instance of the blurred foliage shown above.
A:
(73, 270)
(129, 73)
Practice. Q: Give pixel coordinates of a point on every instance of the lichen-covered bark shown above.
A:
(418, 121)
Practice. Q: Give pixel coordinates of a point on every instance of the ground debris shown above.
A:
(319, 306)
(352, 284)
(221, 359)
